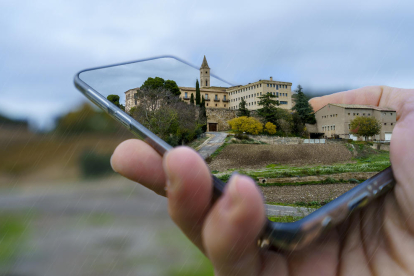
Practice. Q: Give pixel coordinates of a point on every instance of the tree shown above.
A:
(246, 124)
(303, 108)
(270, 128)
(192, 99)
(159, 83)
(269, 107)
(172, 87)
(198, 100)
(298, 127)
(166, 115)
(243, 111)
(203, 103)
(365, 126)
(115, 100)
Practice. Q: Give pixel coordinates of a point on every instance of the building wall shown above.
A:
(220, 117)
(252, 92)
(129, 99)
(335, 120)
(216, 98)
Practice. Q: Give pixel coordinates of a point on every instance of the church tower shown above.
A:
(204, 74)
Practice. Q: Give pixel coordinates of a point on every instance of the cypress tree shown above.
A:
(198, 100)
(192, 99)
(303, 107)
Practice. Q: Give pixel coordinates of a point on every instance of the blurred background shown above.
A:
(62, 210)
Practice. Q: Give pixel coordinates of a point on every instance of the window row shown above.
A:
(277, 86)
(332, 115)
(357, 114)
(326, 128)
(245, 89)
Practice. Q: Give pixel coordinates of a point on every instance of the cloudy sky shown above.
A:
(325, 46)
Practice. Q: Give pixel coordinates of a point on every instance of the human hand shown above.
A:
(378, 239)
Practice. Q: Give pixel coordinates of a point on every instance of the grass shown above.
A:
(284, 219)
(197, 142)
(219, 150)
(328, 180)
(311, 204)
(372, 161)
(12, 232)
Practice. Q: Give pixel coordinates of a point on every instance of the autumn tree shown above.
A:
(270, 128)
(365, 126)
(303, 108)
(243, 111)
(246, 124)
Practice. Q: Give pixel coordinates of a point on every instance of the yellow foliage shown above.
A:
(270, 128)
(246, 124)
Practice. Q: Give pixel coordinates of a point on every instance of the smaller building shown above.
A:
(130, 100)
(334, 120)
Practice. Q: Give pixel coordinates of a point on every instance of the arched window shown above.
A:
(206, 83)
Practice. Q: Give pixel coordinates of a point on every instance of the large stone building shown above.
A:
(333, 120)
(230, 97)
(227, 98)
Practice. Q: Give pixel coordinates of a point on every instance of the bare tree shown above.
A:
(164, 113)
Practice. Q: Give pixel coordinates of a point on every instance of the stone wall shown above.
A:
(220, 117)
(276, 140)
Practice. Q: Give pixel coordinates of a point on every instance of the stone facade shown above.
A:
(130, 100)
(217, 118)
(334, 119)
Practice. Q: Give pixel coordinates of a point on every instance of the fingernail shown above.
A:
(170, 184)
(112, 166)
(231, 195)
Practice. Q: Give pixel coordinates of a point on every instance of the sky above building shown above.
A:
(325, 46)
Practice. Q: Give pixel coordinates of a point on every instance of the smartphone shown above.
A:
(97, 83)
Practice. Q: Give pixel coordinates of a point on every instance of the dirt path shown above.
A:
(304, 193)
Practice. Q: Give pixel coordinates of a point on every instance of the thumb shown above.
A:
(232, 228)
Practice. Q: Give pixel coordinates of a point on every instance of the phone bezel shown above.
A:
(287, 236)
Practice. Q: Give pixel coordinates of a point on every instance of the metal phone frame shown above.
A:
(285, 236)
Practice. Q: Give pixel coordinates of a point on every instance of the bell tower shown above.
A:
(204, 74)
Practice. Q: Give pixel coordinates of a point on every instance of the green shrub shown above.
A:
(93, 164)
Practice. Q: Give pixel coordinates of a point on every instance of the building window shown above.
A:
(224, 105)
(267, 85)
(215, 97)
(363, 114)
(224, 97)
(392, 124)
(349, 114)
(186, 95)
(207, 104)
(369, 114)
(216, 104)
(206, 83)
(206, 96)
(385, 124)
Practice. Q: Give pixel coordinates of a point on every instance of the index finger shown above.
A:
(382, 96)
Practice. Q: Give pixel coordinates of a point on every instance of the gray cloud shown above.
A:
(323, 45)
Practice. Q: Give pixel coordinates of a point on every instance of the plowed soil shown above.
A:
(244, 156)
(304, 193)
